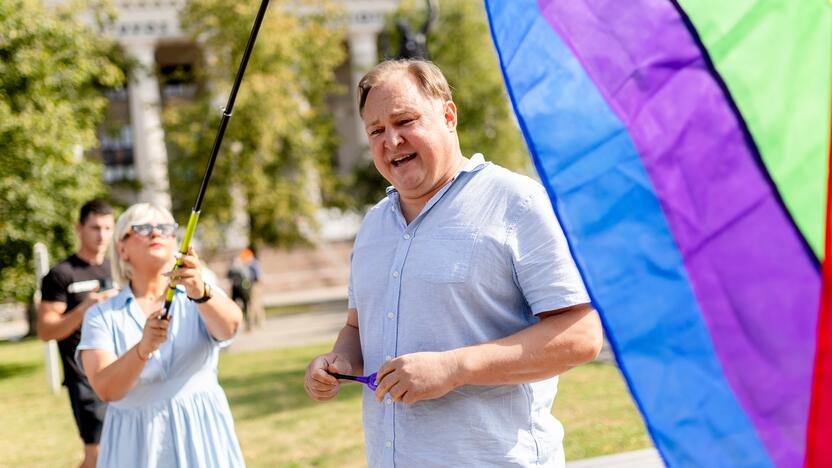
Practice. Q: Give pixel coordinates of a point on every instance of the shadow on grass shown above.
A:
(16, 370)
(266, 393)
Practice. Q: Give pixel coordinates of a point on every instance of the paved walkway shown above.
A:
(647, 458)
(285, 331)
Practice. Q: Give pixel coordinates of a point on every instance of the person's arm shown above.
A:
(345, 358)
(561, 340)
(222, 316)
(112, 377)
(55, 323)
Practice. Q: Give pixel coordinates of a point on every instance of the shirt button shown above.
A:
(390, 315)
(388, 401)
(388, 444)
(395, 274)
(406, 236)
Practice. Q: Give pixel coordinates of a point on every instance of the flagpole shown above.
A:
(226, 117)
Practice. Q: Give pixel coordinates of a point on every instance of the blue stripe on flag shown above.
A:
(623, 246)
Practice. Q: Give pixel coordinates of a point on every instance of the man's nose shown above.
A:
(392, 139)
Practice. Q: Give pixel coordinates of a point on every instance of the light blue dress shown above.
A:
(176, 415)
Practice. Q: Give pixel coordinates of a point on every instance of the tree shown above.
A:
(279, 146)
(460, 44)
(53, 72)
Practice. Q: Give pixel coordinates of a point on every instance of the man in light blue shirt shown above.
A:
(463, 294)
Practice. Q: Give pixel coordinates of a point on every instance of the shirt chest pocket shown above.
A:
(444, 255)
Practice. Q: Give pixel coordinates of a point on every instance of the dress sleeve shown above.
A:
(542, 262)
(96, 333)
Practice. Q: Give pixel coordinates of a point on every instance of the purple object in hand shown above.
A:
(368, 380)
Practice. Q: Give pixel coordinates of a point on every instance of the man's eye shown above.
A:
(376, 131)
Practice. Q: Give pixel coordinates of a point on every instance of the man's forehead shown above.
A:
(396, 96)
(95, 219)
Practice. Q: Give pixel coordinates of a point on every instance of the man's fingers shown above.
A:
(321, 387)
(337, 365)
(319, 374)
(385, 383)
(397, 391)
(320, 395)
(384, 370)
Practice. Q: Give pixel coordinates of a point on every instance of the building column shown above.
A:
(149, 152)
(363, 52)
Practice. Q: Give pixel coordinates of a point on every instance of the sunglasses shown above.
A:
(146, 230)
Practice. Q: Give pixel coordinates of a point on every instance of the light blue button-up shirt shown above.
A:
(484, 256)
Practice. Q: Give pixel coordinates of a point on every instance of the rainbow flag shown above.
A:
(685, 148)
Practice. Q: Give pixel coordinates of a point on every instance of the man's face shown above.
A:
(412, 137)
(95, 233)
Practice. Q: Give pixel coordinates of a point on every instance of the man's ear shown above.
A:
(450, 115)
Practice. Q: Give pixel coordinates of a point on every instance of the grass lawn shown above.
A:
(277, 424)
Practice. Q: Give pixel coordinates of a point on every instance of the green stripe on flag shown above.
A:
(774, 56)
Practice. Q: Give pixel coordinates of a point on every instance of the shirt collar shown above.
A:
(123, 297)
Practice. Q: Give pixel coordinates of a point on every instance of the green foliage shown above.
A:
(279, 144)
(460, 44)
(53, 71)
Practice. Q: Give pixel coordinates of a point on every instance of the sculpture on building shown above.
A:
(413, 43)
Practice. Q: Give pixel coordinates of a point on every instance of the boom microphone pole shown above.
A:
(226, 116)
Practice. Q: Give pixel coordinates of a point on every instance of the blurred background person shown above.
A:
(244, 275)
(70, 288)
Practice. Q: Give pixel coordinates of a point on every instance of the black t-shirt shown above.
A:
(70, 281)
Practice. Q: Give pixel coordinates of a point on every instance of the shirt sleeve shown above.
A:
(543, 265)
(53, 287)
(96, 333)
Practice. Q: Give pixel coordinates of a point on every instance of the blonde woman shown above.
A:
(160, 376)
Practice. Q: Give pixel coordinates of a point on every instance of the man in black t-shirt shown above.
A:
(67, 291)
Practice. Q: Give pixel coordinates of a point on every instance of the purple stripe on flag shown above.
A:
(756, 286)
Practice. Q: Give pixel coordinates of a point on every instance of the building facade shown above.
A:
(133, 147)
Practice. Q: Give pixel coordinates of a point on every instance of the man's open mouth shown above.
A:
(403, 159)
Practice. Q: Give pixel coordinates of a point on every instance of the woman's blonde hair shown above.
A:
(137, 214)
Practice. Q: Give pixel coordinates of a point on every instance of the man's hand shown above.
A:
(418, 376)
(319, 385)
(94, 297)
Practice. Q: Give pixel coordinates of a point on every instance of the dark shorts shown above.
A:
(88, 411)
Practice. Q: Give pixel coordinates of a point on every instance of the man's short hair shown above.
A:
(430, 78)
(97, 207)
